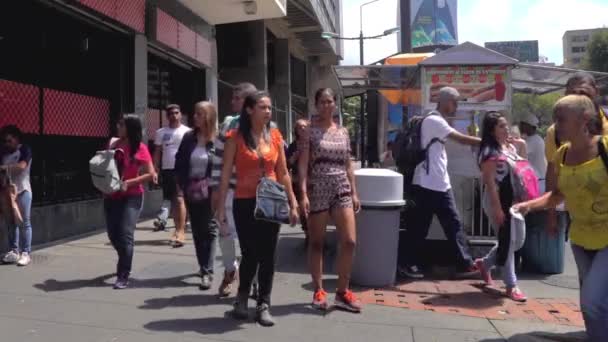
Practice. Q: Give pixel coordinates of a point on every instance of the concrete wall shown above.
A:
(61, 221)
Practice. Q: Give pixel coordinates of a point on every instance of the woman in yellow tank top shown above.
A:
(581, 179)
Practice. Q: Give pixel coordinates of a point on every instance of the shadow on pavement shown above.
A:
(538, 336)
(467, 300)
(220, 325)
(184, 301)
(53, 285)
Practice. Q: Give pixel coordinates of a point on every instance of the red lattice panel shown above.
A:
(166, 29)
(186, 40)
(203, 50)
(106, 7)
(19, 105)
(129, 12)
(73, 114)
(132, 13)
(152, 122)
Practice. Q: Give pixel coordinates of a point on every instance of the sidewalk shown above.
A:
(65, 295)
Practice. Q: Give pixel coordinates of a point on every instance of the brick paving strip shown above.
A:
(470, 298)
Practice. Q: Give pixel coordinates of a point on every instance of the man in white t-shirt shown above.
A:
(535, 146)
(432, 191)
(167, 141)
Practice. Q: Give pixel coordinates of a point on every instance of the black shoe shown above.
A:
(412, 272)
(263, 316)
(160, 226)
(206, 281)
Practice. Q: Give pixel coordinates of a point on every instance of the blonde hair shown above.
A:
(580, 105)
(211, 117)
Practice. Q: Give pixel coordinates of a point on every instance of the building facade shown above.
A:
(522, 50)
(575, 44)
(75, 66)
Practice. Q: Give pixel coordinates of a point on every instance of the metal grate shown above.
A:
(63, 113)
(186, 40)
(19, 105)
(131, 13)
(166, 29)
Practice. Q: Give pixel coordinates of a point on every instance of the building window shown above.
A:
(576, 60)
(579, 39)
(578, 49)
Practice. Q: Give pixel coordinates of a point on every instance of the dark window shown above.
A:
(58, 54)
(299, 82)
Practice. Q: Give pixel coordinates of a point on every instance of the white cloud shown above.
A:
(480, 21)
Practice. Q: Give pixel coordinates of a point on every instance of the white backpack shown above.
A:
(104, 171)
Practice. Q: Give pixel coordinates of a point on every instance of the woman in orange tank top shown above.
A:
(258, 239)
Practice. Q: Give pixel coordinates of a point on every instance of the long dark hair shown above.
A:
(134, 132)
(245, 119)
(325, 91)
(488, 140)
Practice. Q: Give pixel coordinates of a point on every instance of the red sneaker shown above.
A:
(319, 300)
(486, 275)
(348, 301)
(516, 294)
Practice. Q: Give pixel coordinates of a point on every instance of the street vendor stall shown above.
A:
(485, 79)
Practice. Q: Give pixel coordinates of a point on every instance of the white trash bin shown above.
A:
(381, 194)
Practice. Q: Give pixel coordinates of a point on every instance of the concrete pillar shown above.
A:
(211, 77)
(140, 69)
(281, 89)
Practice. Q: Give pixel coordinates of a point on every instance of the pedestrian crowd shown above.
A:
(220, 175)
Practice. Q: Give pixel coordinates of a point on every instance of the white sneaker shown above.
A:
(10, 257)
(24, 260)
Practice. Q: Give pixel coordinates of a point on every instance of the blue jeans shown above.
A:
(204, 234)
(20, 238)
(418, 222)
(121, 217)
(592, 266)
(508, 269)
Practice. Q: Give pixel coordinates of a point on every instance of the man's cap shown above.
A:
(531, 120)
(448, 94)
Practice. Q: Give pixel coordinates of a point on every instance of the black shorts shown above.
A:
(169, 184)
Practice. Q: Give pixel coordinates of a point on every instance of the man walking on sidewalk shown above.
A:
(432, 191)
(167, 142)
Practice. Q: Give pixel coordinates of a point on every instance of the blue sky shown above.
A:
(480, 21)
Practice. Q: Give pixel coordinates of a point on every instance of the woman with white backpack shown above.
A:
(122, 208)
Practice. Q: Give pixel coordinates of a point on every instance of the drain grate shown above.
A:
(563, 281)
(41, 258)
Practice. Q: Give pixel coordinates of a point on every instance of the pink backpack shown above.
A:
(523, 179)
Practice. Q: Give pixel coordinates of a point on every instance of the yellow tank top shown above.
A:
(585, 187)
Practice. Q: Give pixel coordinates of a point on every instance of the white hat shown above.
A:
(448, 94)
(531, 120)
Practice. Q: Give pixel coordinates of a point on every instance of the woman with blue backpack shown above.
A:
(506, 175)
(122, 208)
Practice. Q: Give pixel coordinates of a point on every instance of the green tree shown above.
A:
(597, 52)
(539, 105)
(352, 108)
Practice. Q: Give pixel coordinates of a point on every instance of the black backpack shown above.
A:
(409, 152)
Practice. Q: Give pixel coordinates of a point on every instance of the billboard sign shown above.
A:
(480, 87)
(522, 50)
(433, 22)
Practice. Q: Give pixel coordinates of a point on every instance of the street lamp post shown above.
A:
(361, 38)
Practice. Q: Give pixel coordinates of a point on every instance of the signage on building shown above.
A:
(480, 87)
(433, 23)
(522, 50)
